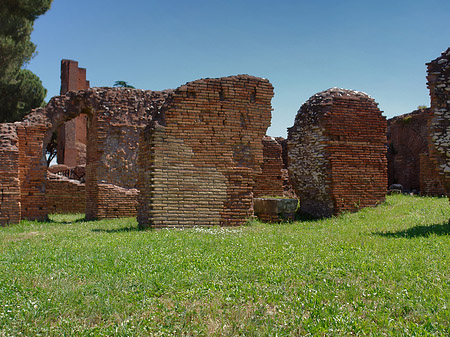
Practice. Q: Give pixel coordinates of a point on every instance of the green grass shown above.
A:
(381, 271)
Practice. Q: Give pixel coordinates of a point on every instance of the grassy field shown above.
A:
(381, 271)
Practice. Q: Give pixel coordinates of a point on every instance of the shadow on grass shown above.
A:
(66, 222)
(119, 230)
(418, 231)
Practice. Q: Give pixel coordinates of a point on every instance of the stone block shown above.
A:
(275, 209)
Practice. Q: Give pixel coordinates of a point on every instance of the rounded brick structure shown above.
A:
(337, 153)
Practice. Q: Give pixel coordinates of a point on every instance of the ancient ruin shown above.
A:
(439, 131)
(199, 158)
(72, 135)
(408, 161)
(10, 210)
(337, 154)
(208, 131)
(269, 182)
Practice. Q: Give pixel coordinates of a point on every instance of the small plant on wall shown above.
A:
(123, 84)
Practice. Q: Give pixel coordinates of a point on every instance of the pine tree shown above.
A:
(20, 89)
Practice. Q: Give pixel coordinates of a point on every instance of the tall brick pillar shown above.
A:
(72, 137)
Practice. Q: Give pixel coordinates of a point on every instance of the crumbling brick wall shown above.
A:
(408, 162)
(116, 118)
(72, 135)
(198, 162)
(439, 141)
(121, 115)
(270, 181)
(212, 130)
(10, 207)
(288, 190)
(337, 154)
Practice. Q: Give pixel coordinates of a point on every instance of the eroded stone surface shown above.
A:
(439, 132)
(275, 209)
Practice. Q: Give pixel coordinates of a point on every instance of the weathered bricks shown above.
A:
(337, 154)
(197, 165)
(439, 131)
(64, 195)
(32, 170)
(72, 135)
(269, 182)
(10, 207)
(204, 141)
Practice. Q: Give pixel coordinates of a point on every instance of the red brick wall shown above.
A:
(430, 181)
(65, 196)
(337, 155)
(439, 137)
(116, 118)
(408, 161)
(72, 135)
(213, 130)
(199, 166)
(407, 139)
(10, 211)
(32, 170)
(113, 141)
(270, 181)
(72, 77)
(116, 202)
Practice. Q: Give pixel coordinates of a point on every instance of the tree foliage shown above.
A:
(19, 96)
(123, 84)
(20, 89)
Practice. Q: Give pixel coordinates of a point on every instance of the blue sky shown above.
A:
(302, 47)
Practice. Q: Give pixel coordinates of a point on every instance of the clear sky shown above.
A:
(303, 47)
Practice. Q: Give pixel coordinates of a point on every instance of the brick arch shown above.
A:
(115, 118)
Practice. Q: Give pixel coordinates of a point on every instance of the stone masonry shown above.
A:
(337, 154)
(199, 160)
(439, 131)
(408, 160)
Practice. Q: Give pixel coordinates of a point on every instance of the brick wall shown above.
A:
(116, 202)
(65, 195)
(439, 136)
(288, 190)
(10, 211)
(72, 135)
(120, 116)
(32, 170)
(270, 181)
(430, 181)
(197, 165)
(336, 153)
(408, 162)
(212, 131)
(116, 117)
